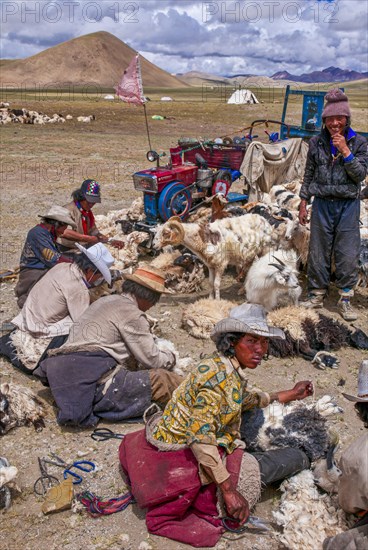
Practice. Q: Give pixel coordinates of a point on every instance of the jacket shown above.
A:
(325, 177)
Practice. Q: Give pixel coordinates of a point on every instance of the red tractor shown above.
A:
(194, 172)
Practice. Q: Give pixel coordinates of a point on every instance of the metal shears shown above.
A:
(253, 523)
(45, 481)
(82, 465)
(103, 434)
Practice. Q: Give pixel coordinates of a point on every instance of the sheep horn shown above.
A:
(179, 230)
(329, 456)
(278, 266)
(278, 260)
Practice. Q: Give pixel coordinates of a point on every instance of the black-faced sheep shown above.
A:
(19, 406)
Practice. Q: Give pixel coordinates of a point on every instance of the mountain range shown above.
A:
(331, 74)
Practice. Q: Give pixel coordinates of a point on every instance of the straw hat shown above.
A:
(100, 257)
(59, 214)
(362, 396)
(150, 277)
(249, 319)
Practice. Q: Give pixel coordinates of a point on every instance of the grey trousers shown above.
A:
(334, 233)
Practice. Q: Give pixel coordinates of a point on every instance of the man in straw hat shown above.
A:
(40, 251)
(53, 304)
(110, 366)
(353, 483)
(336, 166)
(201, 423)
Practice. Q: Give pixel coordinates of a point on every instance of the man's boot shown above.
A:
(345, 309)
(314, 300)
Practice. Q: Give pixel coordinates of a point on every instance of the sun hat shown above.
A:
(100, 257)
(90, 189)
(59, 214)
(362, 396)
(336, 104)
(150, 277)
(247, 318)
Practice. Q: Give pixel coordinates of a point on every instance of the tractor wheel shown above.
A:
(175, 200)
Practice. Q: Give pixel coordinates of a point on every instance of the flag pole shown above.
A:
(147, 128)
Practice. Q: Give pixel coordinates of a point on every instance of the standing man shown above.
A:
(336, 165)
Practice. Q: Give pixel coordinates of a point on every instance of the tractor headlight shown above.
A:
(142, 182)
(152, 156)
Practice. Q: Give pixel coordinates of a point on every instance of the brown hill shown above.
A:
(97, 59)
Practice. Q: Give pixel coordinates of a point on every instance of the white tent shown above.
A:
(166, 98)
(239, 97)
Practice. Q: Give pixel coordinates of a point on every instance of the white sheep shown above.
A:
(230, 241)
(86, 118)
(284, 197)
(272, 280)
(200, 317)
(297, 236)
(19, 406)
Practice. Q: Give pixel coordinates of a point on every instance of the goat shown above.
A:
(297, 236)
(284, 197)
(271, 283)
(200, 317)
(296, 424)
(219, 244)
(86, 118)
(19, 406)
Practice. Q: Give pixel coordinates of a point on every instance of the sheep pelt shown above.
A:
(165, 260)
(201, 214)
(129, 255)
(19, 406)
(306, 515)
(278, 426)
(290, 318)
(29, 350)
(200, 317)
(106, 224)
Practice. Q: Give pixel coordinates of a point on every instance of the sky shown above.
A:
(221, 37)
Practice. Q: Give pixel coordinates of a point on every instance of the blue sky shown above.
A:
(220, 37)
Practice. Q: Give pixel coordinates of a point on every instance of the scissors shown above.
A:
(103, 434)
(253, 523)
(83, 465)
(45, 481)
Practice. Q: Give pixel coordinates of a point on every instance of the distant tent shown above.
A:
(166, 98)
(240, 97)
(109, 97)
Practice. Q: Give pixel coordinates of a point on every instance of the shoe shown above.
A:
(314, 301)
(346, 311)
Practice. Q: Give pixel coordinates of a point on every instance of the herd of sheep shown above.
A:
(24, 116)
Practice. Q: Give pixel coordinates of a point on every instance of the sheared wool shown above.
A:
(183, 364)
(19, 406)
(28, 349)
(200, 317)
(306, 515)
(128, 256)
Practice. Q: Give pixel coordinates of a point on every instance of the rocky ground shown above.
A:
(120, 140)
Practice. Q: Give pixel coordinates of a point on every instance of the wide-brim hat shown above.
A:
(91, 191)
(362, 396)
(150, 277)
(100, 257)
(59, 214)
(249, 319)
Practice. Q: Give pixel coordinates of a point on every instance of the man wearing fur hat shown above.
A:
(192, 453)
(336, 166)
(111, 367)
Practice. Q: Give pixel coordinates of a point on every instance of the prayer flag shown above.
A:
(130, 88)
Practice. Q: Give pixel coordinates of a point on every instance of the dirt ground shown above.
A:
(42, 165)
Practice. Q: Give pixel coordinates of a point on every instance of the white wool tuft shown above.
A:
(183, 364)
(29, 350)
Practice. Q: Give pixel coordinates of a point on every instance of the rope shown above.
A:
(97, 507)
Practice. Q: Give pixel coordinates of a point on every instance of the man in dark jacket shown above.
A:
(336, 165)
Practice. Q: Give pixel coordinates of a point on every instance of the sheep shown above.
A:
(69, 117)
(219, 244)
(307, 517)
(308, 332)
(297, 424)
(7, 481)
(200, 317)
(284, 197)
(87, 119)
(271, 280)
(19, 406)
(326, 473)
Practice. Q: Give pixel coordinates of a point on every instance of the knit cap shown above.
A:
(336, 104)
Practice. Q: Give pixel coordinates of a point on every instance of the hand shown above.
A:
(236, 505)
(117, 244)
(303, 214)
(304, 389)
(339, 142)
(102, 239)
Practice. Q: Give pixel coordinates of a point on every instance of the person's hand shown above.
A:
(339, 142)
(102, 239)
(117, 244)
(303, 214)
(236, 505)
(303, 389)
